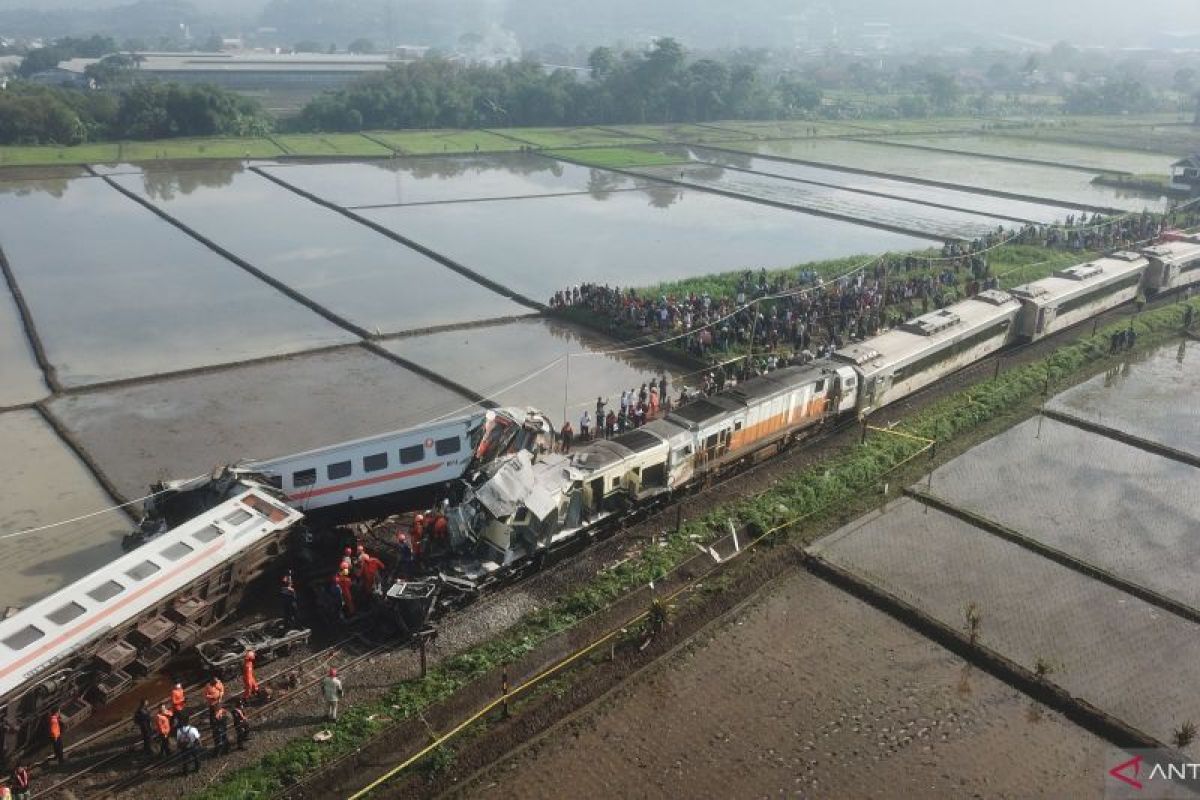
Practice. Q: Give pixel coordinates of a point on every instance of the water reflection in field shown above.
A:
(360, 274)
(118, 293)
(539, 245)
(429, 180)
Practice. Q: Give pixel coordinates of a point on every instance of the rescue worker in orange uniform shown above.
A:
(178, 702)
(56, 735)
(214, 695)
(346, 587)
(418, 533)
(370, 571)
(345, 563)
(163, 722)
(441, 533)
(249, 682)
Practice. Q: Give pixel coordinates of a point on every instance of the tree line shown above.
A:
(661, 85)
(33, 114)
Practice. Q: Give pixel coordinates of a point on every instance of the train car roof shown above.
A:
(38, 636)
(930, 332)
(781, 380)
(1178, 251)
(1081, 279)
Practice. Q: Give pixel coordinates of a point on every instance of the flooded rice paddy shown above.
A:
(482, 359)
(406, 181)
(1104, 646)
(1101, 159)
(359, 274)
(906, 190)
(44, 483)
(1128, 511)
(634, 238)
(1166, 380)
(1028, 180)
(892, 212)
(22, 378)
(116, 292)
(1108, 505)
(188, 426)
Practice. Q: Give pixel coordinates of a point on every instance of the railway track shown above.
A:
(111, 745)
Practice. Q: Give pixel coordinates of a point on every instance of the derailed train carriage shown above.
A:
(90, 641)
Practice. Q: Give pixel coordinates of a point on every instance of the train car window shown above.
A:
(820, 387)
(206, 534)
(238, 517)
(375, 463)
(275, 481)
(445, 447)
(61, 616)
(176, 551)
(849, 381)
(305, 477)
(411, 455)
(339, 470)
(24, 637)
(737, 426)
(106, 591)
(143, 570)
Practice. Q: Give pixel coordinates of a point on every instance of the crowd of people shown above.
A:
(806, 316)
(635, 408)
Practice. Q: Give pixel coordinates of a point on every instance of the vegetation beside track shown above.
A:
(826, 489)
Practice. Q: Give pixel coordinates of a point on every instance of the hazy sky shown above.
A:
(1110, 22)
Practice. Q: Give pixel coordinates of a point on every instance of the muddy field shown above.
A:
(811, 693)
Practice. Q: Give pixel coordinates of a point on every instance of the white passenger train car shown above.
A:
(1077, 293)
(133, 614)
(1173, 265)
(375, 467)
(925, 349)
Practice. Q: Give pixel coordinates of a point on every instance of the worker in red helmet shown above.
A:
(249, 682)
(347, 558)
(331, 690)
(369, 572)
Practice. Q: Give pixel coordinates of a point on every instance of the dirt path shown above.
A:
(807, 692)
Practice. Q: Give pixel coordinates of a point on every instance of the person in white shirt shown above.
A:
(331, 690)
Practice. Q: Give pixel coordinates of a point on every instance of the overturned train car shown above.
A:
(87, 643)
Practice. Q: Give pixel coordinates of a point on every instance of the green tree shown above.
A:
(40, 60)
(307, 46)
(361, 46)
(601, 62)
(944, 91)
(213, 44)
